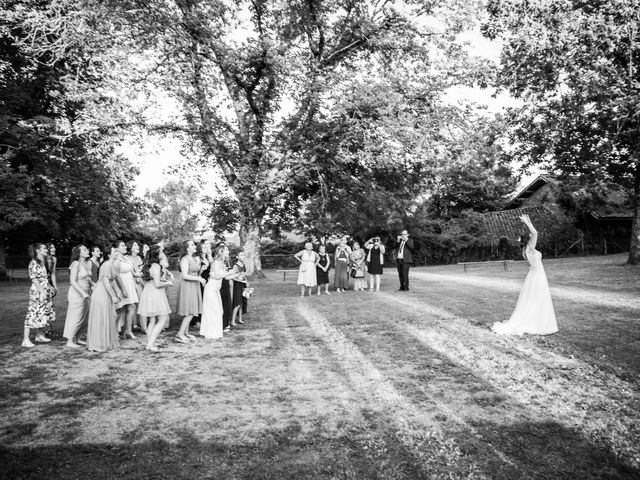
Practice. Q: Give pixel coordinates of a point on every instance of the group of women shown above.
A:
(352, 262)
(111, 288)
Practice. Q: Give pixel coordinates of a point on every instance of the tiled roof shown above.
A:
(506, 223)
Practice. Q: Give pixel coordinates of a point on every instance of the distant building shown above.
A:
(606, 228)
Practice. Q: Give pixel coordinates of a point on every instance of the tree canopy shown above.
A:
(575, 66)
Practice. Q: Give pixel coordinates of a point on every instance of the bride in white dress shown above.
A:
(534, 311)
(211, 322)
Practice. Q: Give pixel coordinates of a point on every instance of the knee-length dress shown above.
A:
(78, 309)
(189, 294)
(322, 277)
(375, 261)
(40, 312)
(128, 283)
(238, 286)
(153, 300)
(102, 331)
(341, 278)
(534, 312)
(307, 269)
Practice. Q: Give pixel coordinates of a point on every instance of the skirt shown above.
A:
(189, 298)
(153, 301)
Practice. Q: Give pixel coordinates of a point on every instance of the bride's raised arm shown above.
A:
(533, 239)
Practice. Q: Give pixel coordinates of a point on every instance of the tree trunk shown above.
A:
(634, 249)
(250, 234)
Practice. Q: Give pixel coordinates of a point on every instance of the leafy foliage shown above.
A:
(576, 65)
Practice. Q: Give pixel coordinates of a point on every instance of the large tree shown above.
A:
(57, 181)
(575, 64)
(253, 77)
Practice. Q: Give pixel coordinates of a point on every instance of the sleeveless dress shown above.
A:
(375, 265)
(153, 301)
(238, 287)
(307, 269)
(78, 309)
(102, 331)
(322, 277)
(128, 283)
(189, 294)
(40, 312)
(341, 278)
(534, 311)
(211, 322)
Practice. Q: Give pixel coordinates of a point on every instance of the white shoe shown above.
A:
(27, 343)
(42, 339)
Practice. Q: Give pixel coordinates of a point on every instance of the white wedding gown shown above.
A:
(211, 321)
(534, 311)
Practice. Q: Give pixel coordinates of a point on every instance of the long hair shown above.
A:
(129, 244)
(184, 246)
(75, 253)
(219, 251)
(152, 256)
(49, 245)
(33, 251)
(524, 239)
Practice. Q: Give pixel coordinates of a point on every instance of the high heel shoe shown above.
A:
(180, 339)
(152, 348)
(241, 322)
(129, 334)
(42, 339)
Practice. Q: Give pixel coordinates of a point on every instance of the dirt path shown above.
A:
(581, 295)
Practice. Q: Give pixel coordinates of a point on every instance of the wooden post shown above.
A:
(605, 245)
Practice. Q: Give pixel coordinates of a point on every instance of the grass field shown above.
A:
(388, 385)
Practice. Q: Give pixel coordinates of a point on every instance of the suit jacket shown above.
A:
(407, 253)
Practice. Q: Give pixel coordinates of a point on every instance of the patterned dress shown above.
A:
(40, 312)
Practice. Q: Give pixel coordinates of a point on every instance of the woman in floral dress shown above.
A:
(40, 312)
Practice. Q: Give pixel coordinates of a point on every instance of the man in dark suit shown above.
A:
(404, 259)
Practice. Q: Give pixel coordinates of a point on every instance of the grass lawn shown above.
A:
(389, 385)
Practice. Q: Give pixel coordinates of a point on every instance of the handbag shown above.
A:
(353, 273)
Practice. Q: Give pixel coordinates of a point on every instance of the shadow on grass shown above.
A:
(279, 454)
(536, 450)
(549, 450)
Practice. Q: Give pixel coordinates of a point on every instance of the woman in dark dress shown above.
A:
(342, 255)
(323, 264)
(96, 255)
(375, 262)
(239, 284)
(225, 293)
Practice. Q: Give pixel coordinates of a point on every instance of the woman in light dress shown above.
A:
(342, 256)
(534, 311)
(129, 300)
(153, 299)
(79, 295)
(211, 325)
(102, 329)
(40, 313)
(307, 270)
(134, 258)
(189, 301)
(358, 266)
